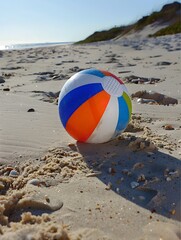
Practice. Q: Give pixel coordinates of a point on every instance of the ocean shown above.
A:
(31, 45)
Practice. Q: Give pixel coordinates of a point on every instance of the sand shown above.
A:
(53, 187)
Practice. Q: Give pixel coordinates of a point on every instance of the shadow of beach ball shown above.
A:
(94, 106)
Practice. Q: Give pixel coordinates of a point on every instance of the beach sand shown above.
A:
(53, 187)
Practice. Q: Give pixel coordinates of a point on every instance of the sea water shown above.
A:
(31, 45)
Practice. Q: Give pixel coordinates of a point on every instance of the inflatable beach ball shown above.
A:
(94, 106)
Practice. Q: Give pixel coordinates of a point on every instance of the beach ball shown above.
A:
(94, 106)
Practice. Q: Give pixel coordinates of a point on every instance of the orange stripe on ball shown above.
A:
(85, 119)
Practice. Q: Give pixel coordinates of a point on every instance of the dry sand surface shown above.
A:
(55, 188)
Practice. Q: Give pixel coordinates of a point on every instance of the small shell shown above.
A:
(168, 127)
(1, 186)
(134, 185)
(173, 212)
(168, 179)
(14, 173)
(109, 185)
(141, 178)
(9, 168)
(71, 144)
(34, 181)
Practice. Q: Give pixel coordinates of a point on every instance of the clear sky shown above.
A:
(32, 21)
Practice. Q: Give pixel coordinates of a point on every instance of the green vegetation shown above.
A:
(103, 35)
(170, 13)
(172, 29)
(106, 34)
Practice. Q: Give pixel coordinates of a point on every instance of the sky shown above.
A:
(37, 21)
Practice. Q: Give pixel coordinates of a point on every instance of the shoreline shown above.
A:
(24, 46)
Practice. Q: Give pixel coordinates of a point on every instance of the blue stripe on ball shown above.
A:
(123, 117)
(72, 100)
(93, 71)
